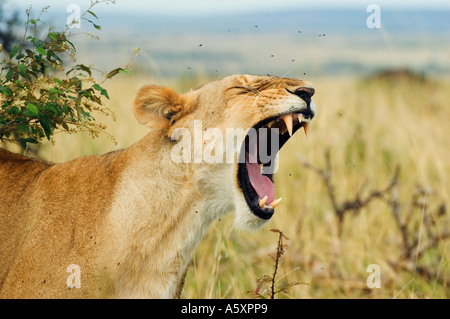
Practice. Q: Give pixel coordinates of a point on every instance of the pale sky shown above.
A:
(188, 7)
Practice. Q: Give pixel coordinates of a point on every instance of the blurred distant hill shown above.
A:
(298, 42)
(323, 20)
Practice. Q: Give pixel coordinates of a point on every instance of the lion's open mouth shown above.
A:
(261, 145)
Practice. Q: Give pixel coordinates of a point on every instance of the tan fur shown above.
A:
(130, 219)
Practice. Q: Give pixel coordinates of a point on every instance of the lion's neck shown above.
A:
(160, 212)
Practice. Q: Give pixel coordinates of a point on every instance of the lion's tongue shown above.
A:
(261, 184)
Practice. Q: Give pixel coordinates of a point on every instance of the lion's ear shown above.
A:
(155, 106)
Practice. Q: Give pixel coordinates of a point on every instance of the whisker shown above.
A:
(287, 73)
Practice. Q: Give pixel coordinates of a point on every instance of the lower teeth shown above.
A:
(273, 204)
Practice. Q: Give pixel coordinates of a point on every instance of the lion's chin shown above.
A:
(245, 219)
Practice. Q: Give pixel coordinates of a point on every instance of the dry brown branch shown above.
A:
(358, 202)
(266, 279)
(421, 228)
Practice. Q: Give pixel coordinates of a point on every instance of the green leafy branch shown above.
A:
(40, 95)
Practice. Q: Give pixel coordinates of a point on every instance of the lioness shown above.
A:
(128, 222)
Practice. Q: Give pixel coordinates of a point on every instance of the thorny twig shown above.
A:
(272, 279)
(279, 253)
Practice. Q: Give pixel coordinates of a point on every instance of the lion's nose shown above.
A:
(305, 93)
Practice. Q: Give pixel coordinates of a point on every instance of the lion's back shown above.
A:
(16, 174)
(51, 214)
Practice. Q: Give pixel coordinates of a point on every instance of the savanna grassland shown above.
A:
(370, 185)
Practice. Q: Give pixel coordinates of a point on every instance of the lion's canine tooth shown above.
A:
(263, 201)
(306, 128)
(275, 202)
(269, 125)
(288, 120)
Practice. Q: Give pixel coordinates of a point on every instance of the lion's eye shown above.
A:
(243, 90)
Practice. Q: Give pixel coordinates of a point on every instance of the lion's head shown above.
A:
(267, 110)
